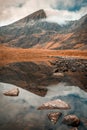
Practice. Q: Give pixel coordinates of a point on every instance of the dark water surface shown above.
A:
(20, 113)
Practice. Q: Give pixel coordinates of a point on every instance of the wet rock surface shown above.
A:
(84, 121)
(54, 116)
(56, 104)
(71, 120)
(13, 92)
(75, 128)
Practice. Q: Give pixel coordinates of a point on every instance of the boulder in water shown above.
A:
(54, 116)
(75, 128)
(13, 92)
(71, 120)
(56, 104)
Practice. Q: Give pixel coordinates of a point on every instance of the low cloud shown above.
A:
(62, 16)
(57, 10)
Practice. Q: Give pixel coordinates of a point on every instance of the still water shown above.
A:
(20, 113)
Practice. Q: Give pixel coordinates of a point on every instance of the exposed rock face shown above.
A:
(56, 104)
(72, 120)
(40, 14)
(53, 117)
(13, 92)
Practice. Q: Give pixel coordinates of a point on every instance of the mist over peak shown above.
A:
(58, 10)
(62, 17)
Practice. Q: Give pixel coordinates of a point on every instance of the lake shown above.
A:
(20, 113)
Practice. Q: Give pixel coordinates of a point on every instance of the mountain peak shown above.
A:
(38, 15)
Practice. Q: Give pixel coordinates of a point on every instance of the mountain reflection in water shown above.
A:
(20, 113)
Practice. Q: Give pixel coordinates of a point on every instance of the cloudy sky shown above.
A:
(57, 10)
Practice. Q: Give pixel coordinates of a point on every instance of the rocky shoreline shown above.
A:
(70, 64)
(36, 77)
(73, 71)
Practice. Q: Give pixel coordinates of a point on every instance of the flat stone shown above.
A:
(56, 104)
(13, 92)
(54, 116)
(71, 120)
(58, 74)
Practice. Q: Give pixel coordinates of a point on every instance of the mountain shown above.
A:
(34, 31)
(81, 23)
(38, 15)
(78, 40)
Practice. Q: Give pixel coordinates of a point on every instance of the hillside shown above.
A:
(34, 31)
(10, 55)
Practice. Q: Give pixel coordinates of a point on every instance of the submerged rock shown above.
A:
(72, 120)
(56, 104)
(84, 121)
(13, 92)
(54, 116)
(75, 128)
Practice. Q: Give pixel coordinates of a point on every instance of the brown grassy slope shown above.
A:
(9, 55)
